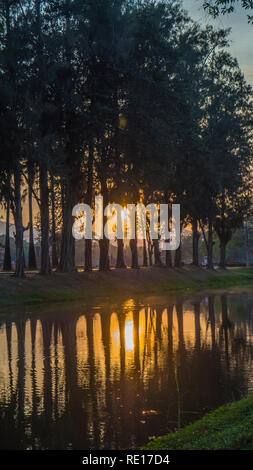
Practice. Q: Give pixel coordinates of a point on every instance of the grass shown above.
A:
(117, 284)
(229, 427)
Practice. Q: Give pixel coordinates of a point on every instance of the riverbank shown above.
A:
(230, 427)
(120, 283)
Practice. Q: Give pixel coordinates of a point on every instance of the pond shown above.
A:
(114, 377)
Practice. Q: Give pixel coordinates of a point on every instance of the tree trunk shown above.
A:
(178, 257)
(104, 263)
(168, 257)
(44, 220)
(88, 255)
(67, 263)
(19, 271)
(70, 197)
(120, 254)
(195, 243)
(210, 246)
(53, 228)
(157, 253)
(63, 223)
(31, 254)
(178, 253)
(7, 249)
(150, 253)
(88, 243)
(222, 254)
(145, 258)
(150, 248)
(134, 252)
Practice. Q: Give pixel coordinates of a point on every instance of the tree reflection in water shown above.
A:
(113, 379)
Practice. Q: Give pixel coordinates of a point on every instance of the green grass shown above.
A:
(117, 284)
(228, 427)
(230, 279)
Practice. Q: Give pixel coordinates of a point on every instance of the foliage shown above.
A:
(229, 427)
(217, 7)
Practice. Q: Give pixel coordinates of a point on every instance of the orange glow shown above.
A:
(129, 335)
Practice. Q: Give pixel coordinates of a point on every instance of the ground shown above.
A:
(229, 427)
(121, 283)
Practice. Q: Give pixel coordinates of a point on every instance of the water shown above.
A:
(108, 378)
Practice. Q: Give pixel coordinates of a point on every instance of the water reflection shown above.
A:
(113, 379)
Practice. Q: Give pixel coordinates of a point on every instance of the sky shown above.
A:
(241, 34)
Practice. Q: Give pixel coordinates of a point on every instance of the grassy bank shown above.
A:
(95, 286)
(229, 427)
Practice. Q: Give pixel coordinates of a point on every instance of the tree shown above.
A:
(13, 58)
(227, 136)
(217, 7)
(31, 177)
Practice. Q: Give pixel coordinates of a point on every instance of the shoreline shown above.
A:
(229, 427)
(118, 284)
